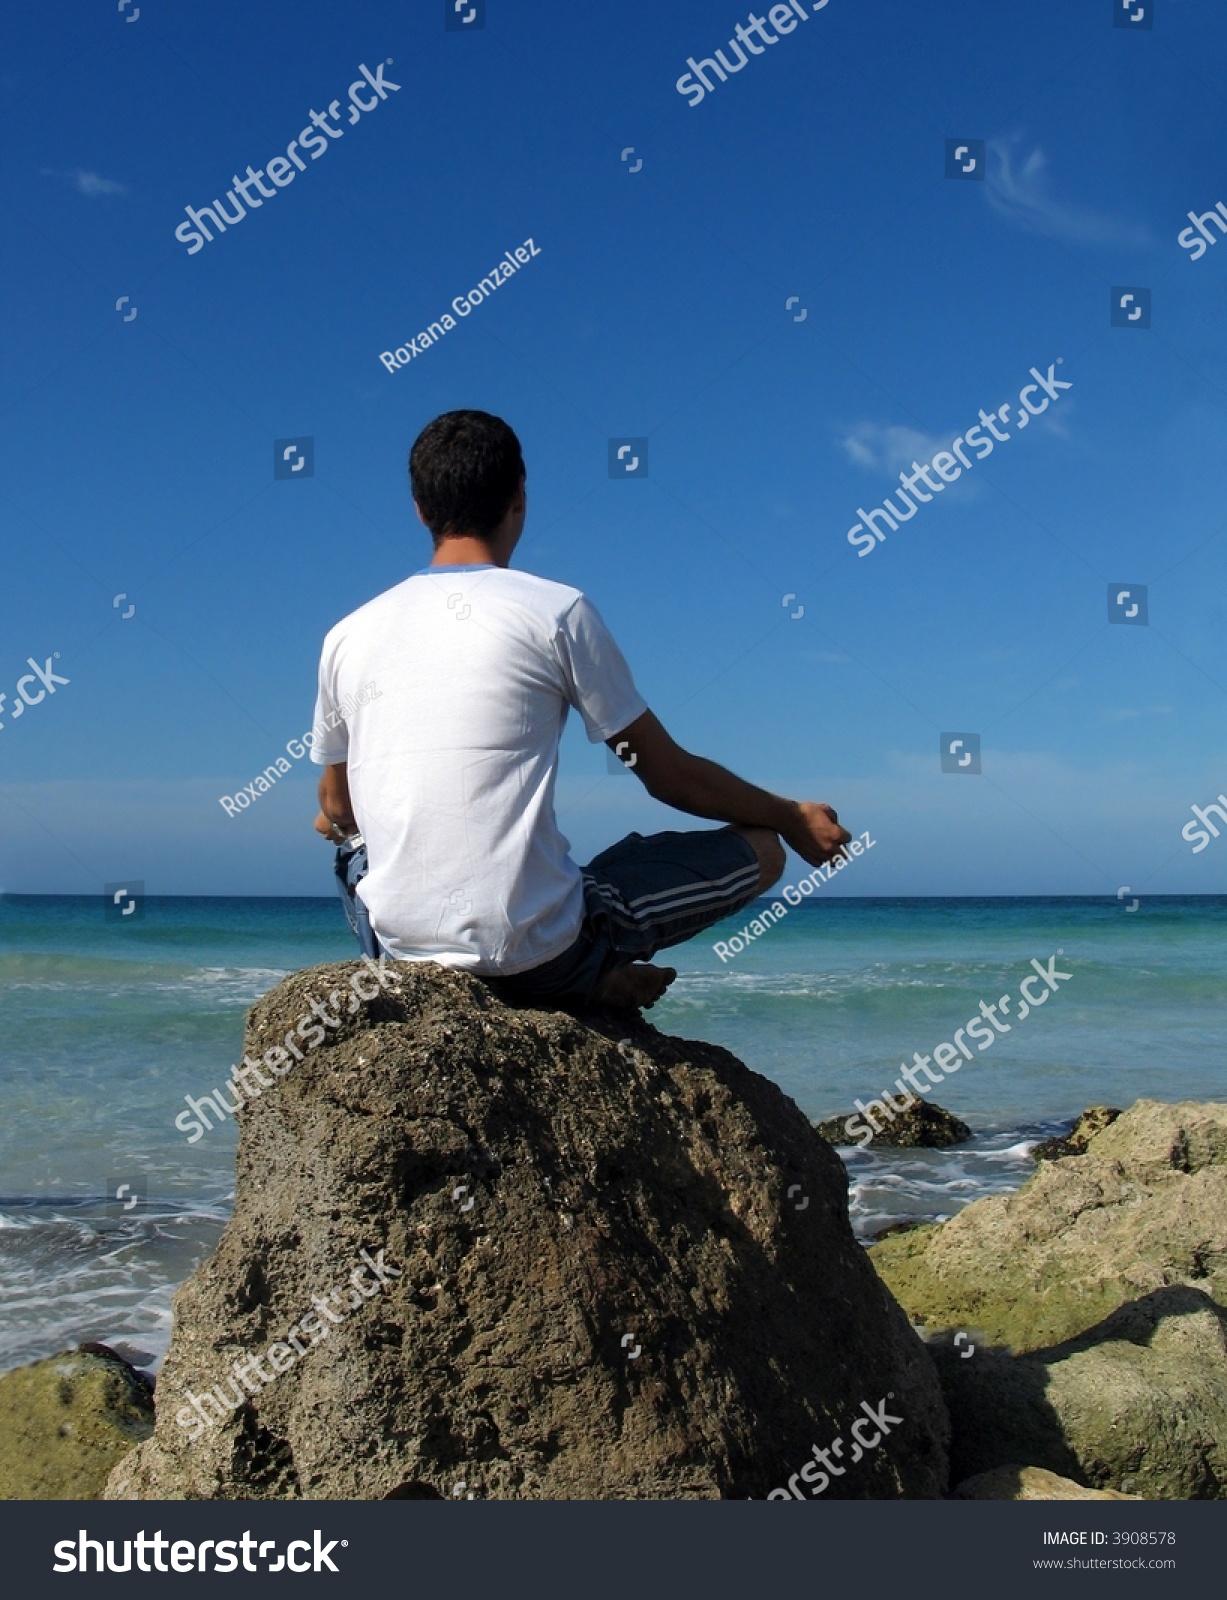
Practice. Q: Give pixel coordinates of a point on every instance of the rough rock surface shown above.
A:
(922, 1126)
(626, 1271)
(1143, 1209)
(1074, 1143)
(1029, 1483)
(66, 1421)
(1137, 1404)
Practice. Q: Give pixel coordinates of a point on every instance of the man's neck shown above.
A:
(466, 550)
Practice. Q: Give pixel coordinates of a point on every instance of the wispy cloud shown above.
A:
(1017, 186)
(88, 183)
(890, 450)
(1132, 713)
(91, 183)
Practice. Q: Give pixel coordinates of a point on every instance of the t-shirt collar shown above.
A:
(464, 566)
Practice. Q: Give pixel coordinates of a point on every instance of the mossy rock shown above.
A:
(1030, 1483)
(66, 1421)
(1141, 1210)
(1137, 1404)
(1092, 1121)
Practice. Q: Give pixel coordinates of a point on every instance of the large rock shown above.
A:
(615, 1265)
(66, 1421)
(1137, 1404)
(1144, 1208)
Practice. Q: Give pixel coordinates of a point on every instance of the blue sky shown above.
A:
(138, 449)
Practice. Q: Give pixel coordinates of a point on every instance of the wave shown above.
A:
(878, 977)
(1098, 981)
(71, 1276)
(888, 1187)
(147, 1212)
(29, 971)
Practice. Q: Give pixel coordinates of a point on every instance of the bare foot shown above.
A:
(638, 986)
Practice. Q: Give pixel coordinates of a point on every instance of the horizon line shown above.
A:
(330, 899)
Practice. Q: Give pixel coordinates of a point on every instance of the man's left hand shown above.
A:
(325, 825)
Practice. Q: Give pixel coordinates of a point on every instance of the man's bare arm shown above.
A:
(335, 804)
(693, 784)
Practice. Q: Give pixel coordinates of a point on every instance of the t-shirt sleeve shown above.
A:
(331, 735)
(597, 680)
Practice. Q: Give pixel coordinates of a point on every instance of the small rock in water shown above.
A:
(922, 1126)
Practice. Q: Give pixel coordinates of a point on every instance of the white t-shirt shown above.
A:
(447, 697)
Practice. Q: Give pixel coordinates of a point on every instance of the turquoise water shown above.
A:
(831, 1000)
(110, 1024)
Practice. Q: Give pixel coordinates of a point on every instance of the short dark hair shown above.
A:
(464, 469)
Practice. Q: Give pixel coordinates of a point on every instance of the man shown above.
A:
(440, 769)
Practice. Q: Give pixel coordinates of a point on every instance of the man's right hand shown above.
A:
(815, 833)
(689, 783)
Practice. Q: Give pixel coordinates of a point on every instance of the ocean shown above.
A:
(110, 1023)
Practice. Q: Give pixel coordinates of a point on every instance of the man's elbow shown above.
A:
(658, 789)
(669, 784)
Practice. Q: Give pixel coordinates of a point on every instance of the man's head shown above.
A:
(467, 475)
